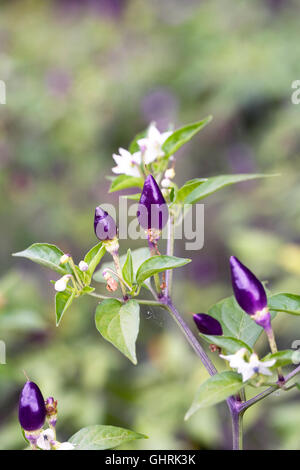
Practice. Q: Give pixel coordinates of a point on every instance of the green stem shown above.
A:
(273, 346)
(119, 273)
(237, 430)
(153, 303)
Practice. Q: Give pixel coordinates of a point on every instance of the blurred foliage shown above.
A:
(82, 79)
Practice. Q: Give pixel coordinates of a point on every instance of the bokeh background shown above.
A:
(83, 77)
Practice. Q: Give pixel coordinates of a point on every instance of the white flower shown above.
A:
(127, 163)
(83, 266)
(64, 446)
(166, 183)
(46, 439)
(61, 283)
(151, 145)
(248, 368)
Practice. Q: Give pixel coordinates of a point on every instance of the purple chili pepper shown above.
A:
(152, 211)
(32, 410)
(104, 225)
(207, 324)
(248, 290)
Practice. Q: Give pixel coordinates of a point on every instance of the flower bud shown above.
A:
(207, 325)
(152, 211)
(32, 410)
(83, 266)
(248, 290)
(104, 225)
(61, 284)
(64, 259)
(170, 173)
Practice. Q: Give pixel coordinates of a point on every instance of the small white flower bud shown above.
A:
(166, 183)
(170, 173)
(64, 259)
(83, 266)
(61, 283)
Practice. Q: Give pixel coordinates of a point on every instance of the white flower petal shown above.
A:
(61, 283)
(45, 439)
(65, 446)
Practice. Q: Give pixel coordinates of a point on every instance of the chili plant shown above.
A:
(231, 327)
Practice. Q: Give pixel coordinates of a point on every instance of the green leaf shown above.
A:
(124, 182)
(229, 344)
(45, 254)
(179, 137)
(283, 358)
(187, 188)
(100, 437)
(216, 389)
(63, 301)
(235, 322)
(216, 183)
(157, 264)
(119, 324)
(127, 270)
(287, 303)
(93, 257)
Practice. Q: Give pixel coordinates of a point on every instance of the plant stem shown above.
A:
(190, 337)
(170, 252)
(244, 406)
(273, 346)
(237, 429)
(119, 273)
(154, 303)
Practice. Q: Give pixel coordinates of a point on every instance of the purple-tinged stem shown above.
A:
(237, 429)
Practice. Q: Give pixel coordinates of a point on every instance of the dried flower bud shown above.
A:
(104, 225)
(32, 410)
(153, 210)
(248, 290)
(207, 324)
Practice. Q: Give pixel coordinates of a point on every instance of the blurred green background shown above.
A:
(82, 79)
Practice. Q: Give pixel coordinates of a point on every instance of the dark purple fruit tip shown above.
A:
(32, 410)
(152, 211)
(104, 225)
(207, 325)
(248, 290)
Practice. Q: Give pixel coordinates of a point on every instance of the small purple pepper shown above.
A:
(248, 290)
(32, 410)
(152, 212)
(104, 225)
(207, 324)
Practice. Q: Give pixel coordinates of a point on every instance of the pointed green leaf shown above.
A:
(287, 303)
(119, 324)
(157, 264)
(100, 437)
(45, 254)
(93, 257)
(127, 270)
(229, 344)
(187, 188)
(179, 137)
(235, 322)
(216, 183)
(216, 389)
(63, 301)
(125, 181)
